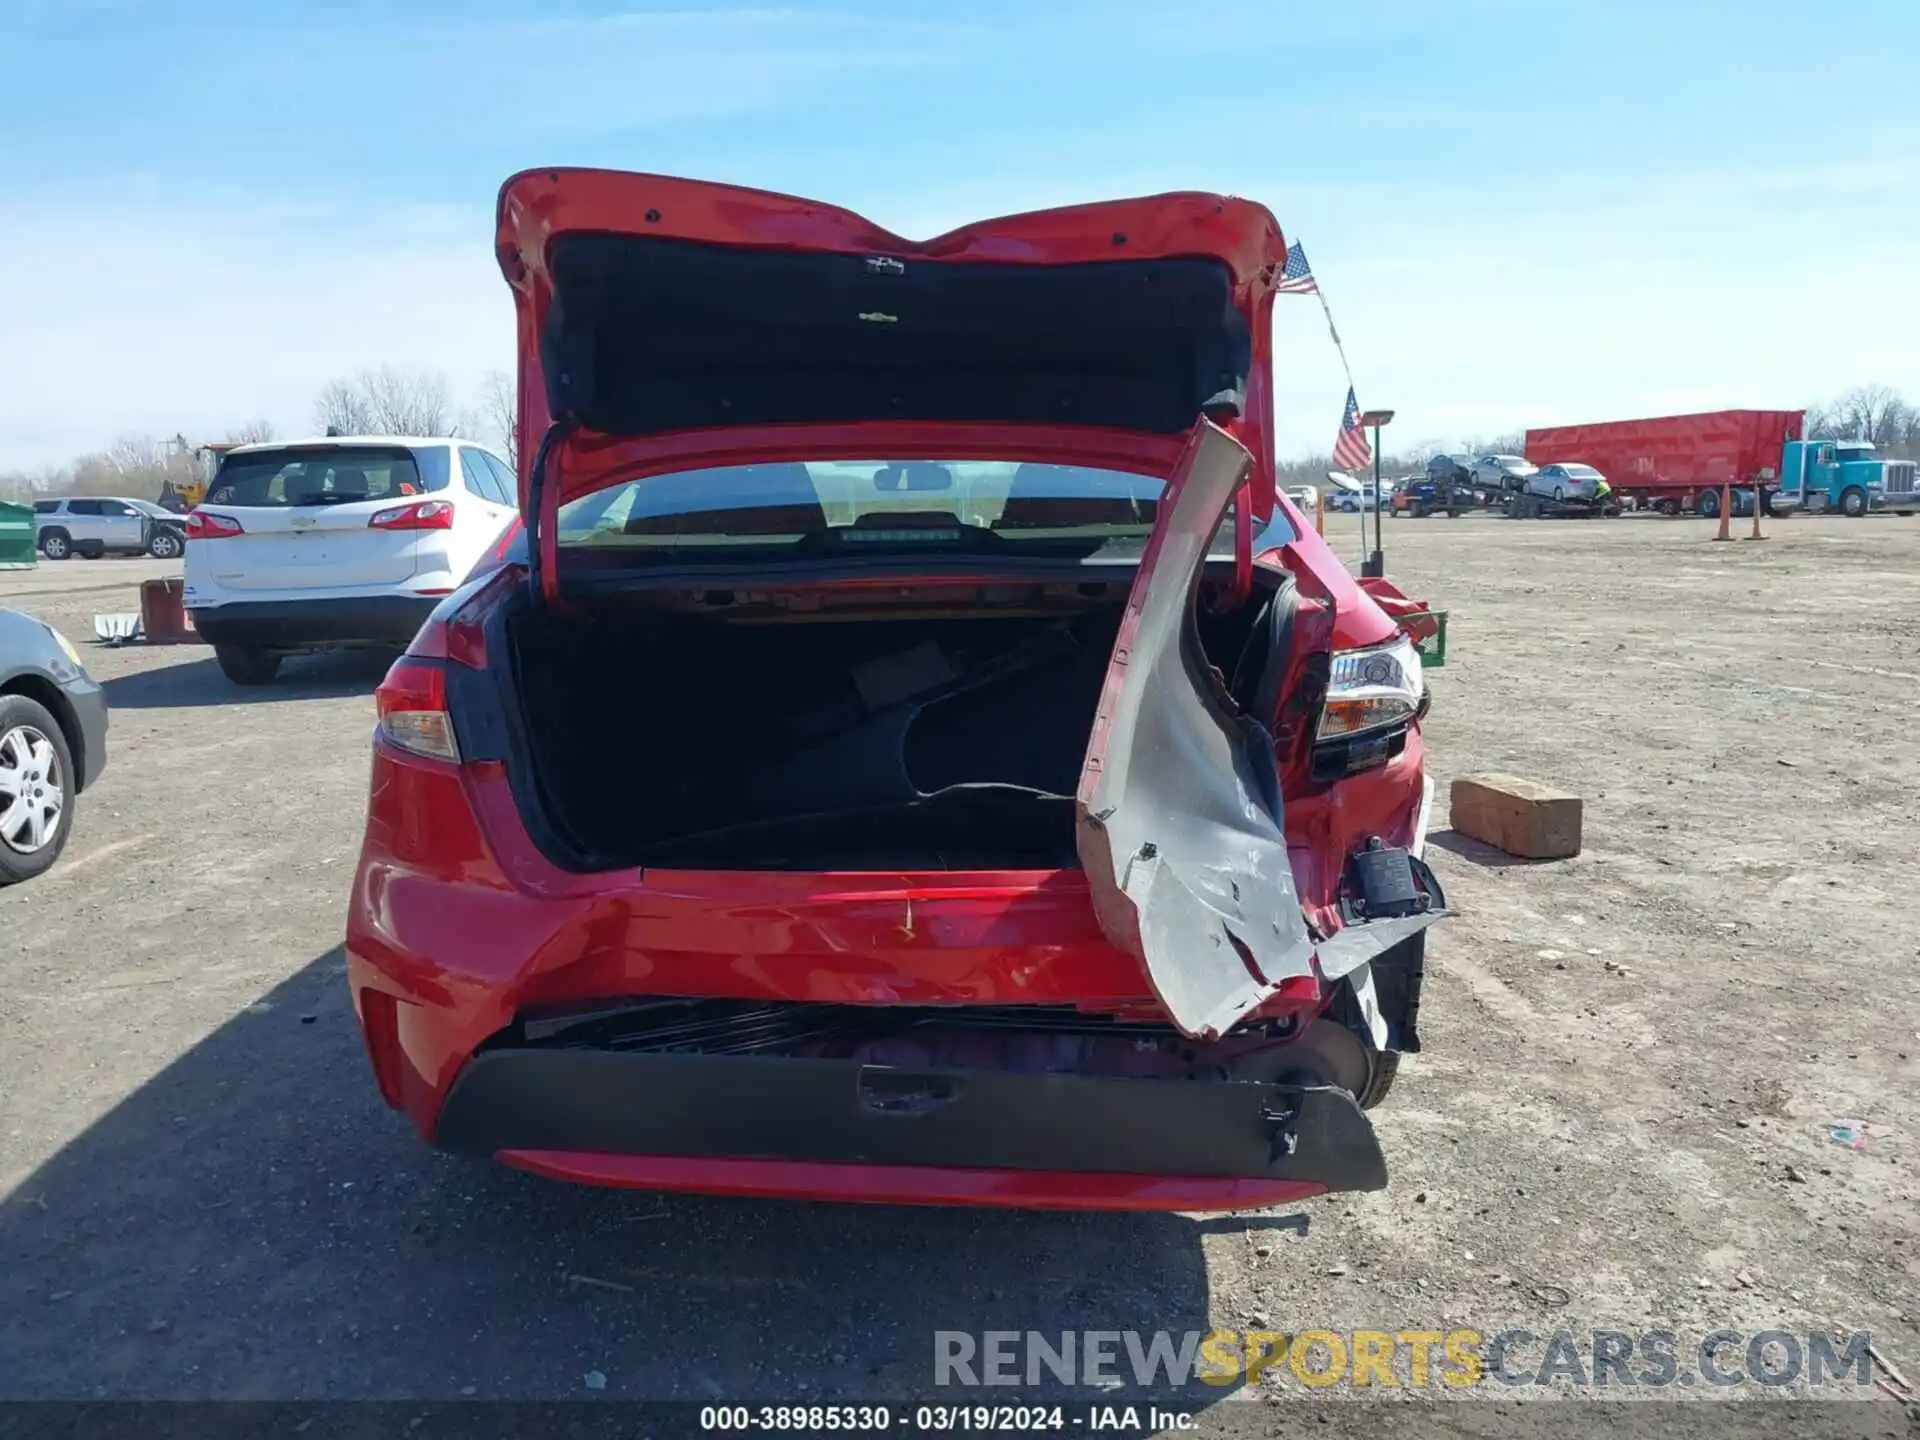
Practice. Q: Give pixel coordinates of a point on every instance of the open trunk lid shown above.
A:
(673, 323)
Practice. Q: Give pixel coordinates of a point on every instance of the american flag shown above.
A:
(1297, 278)
(1351, 451)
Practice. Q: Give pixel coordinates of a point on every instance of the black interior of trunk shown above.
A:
(699, 743)
(672, 737)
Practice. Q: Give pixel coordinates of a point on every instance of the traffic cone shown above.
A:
(1320, 513)
(1726, 513)
(1759, 502)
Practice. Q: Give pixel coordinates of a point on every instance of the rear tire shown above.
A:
(247, 665)
(55, 545)
(1708, 504)
(1386, 1066)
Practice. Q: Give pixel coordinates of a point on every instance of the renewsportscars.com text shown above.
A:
(1416, 1359)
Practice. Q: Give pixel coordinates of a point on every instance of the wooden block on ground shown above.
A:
(1533, 821)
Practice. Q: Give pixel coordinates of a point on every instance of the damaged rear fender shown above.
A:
(1178, 816)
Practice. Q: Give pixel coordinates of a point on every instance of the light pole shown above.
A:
(1376, 563)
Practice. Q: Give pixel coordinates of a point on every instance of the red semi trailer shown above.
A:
(1678, 463)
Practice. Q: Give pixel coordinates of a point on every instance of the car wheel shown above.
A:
(1559, 493)
(1386, 1065)
(1853, 503)
(246, 664)
(36, 789)
(165, 545)
(55, 545)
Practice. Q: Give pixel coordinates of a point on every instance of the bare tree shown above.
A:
(495, 417)
(254, 432)
(387, 401)
(341, 409)
(1824, 423)
(1873, 412)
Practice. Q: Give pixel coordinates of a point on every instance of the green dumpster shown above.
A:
(16, 536)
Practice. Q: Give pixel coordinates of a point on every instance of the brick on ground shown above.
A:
(1521, 817)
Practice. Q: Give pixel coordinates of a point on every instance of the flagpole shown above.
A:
(1327, 310)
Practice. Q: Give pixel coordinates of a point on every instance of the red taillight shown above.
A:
(412, 705)
(205, 525)
(420, 515)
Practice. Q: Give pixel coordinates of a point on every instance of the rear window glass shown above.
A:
(873, 507)
(327, 475)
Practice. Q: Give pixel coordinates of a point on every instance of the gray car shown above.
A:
(1565, 482)
(1502, 472)
(96, 525)
(53, 743)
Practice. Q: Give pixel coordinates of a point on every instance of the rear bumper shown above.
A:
(842, 1129)
(384, 620)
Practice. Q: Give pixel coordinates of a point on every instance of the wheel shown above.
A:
(1559, 493)
(1419, 512)
(36, 789)
(1453, 512)
(1708, 504)
(246, 664)
(165, 545)
(1386, 1065)
(55, 545)
(1853, 502)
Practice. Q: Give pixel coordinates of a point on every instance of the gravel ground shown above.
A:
(1621, 1119)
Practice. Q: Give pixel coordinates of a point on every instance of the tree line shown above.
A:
(395, 400)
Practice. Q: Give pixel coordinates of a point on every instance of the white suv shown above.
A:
(343, 541)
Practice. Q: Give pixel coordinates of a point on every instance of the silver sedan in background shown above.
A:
(1502, 472)
(1565, 482)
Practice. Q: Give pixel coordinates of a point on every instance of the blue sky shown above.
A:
(1522, 211)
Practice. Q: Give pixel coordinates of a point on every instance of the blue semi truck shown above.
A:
(1843, 475)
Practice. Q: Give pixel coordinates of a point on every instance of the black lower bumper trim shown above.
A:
(845, 1112)
(386, 620)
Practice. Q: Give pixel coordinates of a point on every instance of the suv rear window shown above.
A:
(327, 475)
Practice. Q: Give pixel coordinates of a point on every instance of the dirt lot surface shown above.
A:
(1620, 1120)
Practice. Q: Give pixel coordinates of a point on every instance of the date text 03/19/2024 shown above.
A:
(943, 1419)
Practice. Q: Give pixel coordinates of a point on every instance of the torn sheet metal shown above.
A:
(1346, 950)
(1178, 818)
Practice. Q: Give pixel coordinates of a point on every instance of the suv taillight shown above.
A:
(205, 525)
(412, 706)
(420, 515)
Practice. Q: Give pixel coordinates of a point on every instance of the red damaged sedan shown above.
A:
(908, 752)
